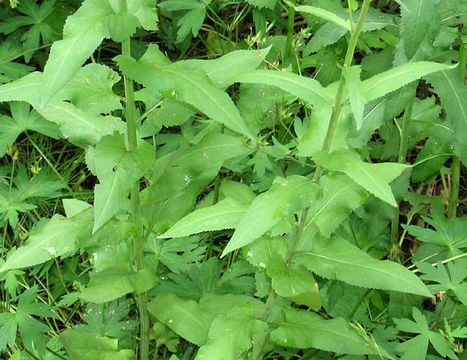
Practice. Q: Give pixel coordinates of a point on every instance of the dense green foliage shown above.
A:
(227, 180)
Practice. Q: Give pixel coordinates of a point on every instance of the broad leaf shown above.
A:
(374, 178)
(118, 170)
(391, 80)
(339, 198)
(222, 71)
(80, 345)
(226, 214)
(337, 259)
(81, 128)
(355, 92)
(115, 282)
(306, 89)
(27, 89)
(230, 337)
(294, 282)
(83, 33)
(324, 14)
(285, 197)
(269, 4)
(181, 176)
(191, 87)
(303, 329)
(420, 22)
(192, 320)
(453, 93)
(59, 237)
(91, 89)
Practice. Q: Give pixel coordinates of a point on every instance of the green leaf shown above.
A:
(182, 175)
(420, 23)
(67, 56)
(374, 178)
(22, 196)
(324, 14)
(118, 170)
(83, 33)
(230, 337)
(302, 329)
(451, 278)
(393, 79)
(226, 214)
(285, 197)
(36, 18)
(306, 89)
(447, 239)
(337, 259)
(416, 348)
(192, 320)
(80, 345)
(339, 198)
(222, 71)
(115, 282)
(451, 89)
(91, 89)
(32, 331)
(268, 4)
(78, 126)
(27, 88)
(177, 254)
(49, 243)
(9, 69)
(8, 329)
(23, 119)
(191, 87)
(294, 282)
(355, 92)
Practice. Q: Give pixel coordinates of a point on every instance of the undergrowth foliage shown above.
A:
(225, 180)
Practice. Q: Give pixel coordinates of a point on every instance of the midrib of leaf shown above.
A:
(237, 120)
(316, 88)
(203, 149)
(225, 212)
(394, 73)
(353, 264)
(369, 176)
(322, 208)
(337, 334)
(418, 17)
(464, 116)
(77, 116)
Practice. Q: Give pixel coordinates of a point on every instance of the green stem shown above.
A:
(455, 184)
(138, 245)
(290, 31)
(456, 163)
(295, 239)
(403, 147)
(337, 106)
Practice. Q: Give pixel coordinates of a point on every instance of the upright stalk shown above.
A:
(337, 106)
(290, 31)
(402, 157)
(138, 245)
(456, 163)
(336, 109)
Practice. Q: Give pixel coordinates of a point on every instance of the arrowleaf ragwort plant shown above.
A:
(246, 206)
